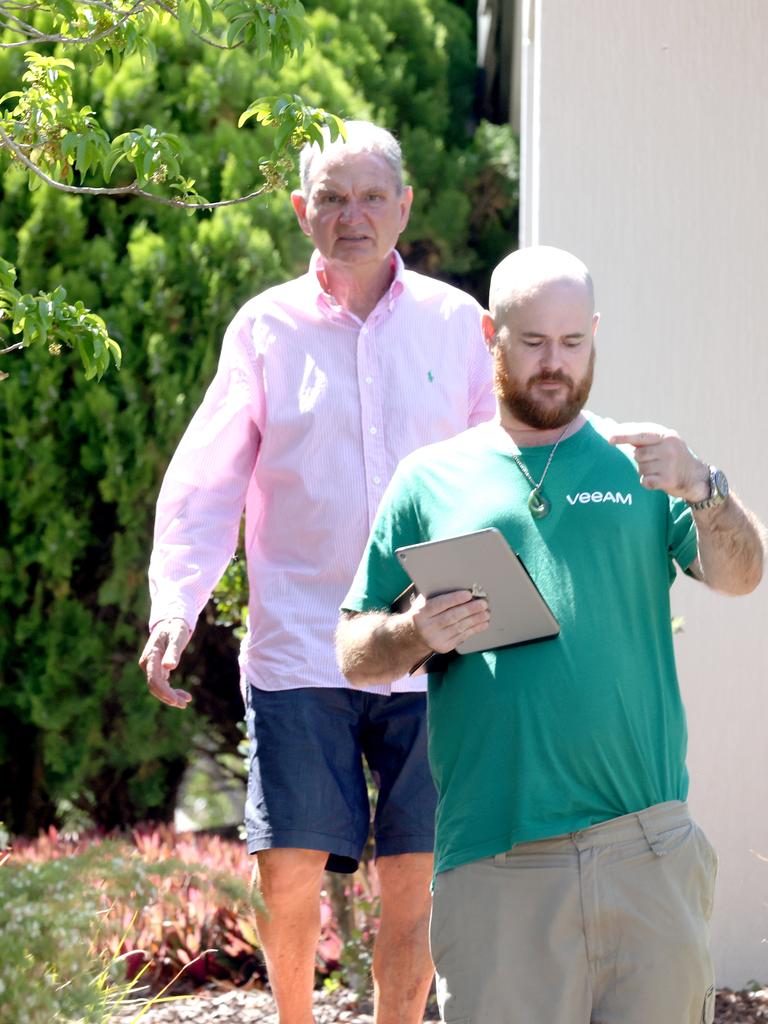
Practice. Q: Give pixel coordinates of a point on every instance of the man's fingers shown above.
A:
(652, 482)
(178, 636)
(477, 621)
(641, 434)
(447, 620)
(161, 654)
(149, 648)
(457, 615)
(648, 455)
(157, 680)
(466, 626)
(168, 695)
(638, 440)
(442, 603)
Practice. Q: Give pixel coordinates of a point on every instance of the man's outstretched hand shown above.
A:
(665, 461)
(161, 655)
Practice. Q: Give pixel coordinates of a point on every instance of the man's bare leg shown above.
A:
(402, 967)
(289, 882)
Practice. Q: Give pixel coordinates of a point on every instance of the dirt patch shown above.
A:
(741, 1007)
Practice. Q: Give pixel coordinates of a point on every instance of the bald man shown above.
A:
(571, 884)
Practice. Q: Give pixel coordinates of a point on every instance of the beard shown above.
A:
(517, 396)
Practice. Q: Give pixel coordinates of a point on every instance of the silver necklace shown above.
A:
(538, 504)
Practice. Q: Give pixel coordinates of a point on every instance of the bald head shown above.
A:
(541, 331)
(525, 273)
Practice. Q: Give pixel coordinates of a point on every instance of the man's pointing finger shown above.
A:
(637, 440)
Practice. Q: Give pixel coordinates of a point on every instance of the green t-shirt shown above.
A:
(547, 738)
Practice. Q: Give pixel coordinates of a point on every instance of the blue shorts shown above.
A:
(306, 785)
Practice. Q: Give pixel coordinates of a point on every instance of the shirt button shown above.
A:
(373, 430)
(369, 380)
(363, 330)
(377, 479)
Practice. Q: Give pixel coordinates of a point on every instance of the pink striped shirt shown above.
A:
(306, 419)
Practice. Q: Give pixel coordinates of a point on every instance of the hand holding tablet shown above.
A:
(483, 564)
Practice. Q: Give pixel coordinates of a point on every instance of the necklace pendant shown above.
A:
(538, 505)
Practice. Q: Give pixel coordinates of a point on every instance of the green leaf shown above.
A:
(146, 164)
(282, 135)
(314, 133)
(206, 16)
(185, 15)
(82, 154)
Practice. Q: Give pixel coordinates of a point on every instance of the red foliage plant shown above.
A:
(199, 918)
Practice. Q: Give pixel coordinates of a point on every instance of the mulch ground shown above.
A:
(214, 1006)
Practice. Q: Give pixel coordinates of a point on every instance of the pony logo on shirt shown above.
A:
(314, 384)
(598, 498)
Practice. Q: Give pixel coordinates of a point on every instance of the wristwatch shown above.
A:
(718, 490)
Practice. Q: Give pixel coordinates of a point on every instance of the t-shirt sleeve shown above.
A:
(380, 577)
(682, 543)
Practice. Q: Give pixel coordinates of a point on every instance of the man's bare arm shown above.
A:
(380, 647)
(732, 544)
(731, 540)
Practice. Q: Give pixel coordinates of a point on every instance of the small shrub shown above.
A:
(81, 919)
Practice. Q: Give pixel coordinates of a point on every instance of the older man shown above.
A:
(572, 885)
(324, 383)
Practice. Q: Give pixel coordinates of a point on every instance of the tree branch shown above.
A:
(40, 37)
(20, 26)
(33, 34)
(102, 4)
(122, 190)
(11, 348)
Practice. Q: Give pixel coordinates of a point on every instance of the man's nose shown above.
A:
(550, 358)
(352, 211)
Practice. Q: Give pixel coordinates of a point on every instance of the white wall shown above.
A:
(645, 152)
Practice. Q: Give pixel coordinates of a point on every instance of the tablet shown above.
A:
(484, 563)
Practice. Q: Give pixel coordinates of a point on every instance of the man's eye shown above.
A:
(374, 196)
(330, 199)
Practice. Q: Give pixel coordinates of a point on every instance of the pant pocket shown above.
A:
(708, 860)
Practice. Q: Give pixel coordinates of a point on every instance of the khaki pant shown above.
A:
(607, 925)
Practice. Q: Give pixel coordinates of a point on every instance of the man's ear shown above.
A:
(406, 199)
(299, 204)
(595, 324)
(489, 330)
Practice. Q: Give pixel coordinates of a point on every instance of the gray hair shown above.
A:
(362, 137)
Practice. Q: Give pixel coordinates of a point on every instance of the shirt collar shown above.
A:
(327, 303)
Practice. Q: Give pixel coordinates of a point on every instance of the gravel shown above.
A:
(239, 1006)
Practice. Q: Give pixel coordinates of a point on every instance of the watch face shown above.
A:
(721, 484)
